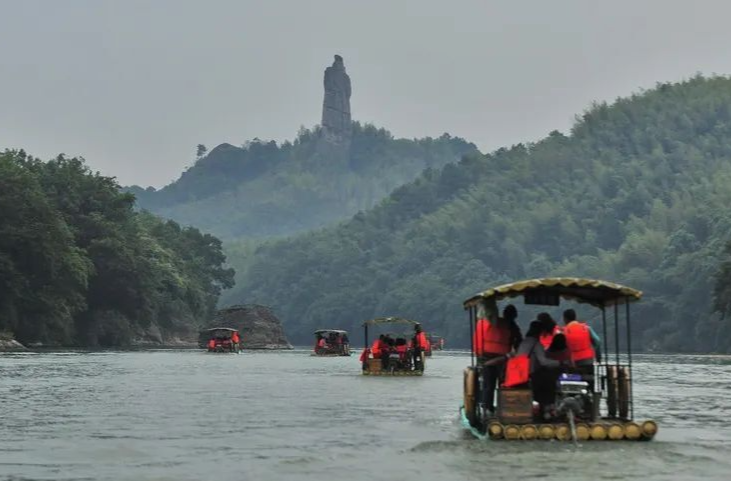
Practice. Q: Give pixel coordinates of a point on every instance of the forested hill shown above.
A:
(79, 267)
(638, 193)
(263, 189)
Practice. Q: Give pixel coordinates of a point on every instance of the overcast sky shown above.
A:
(133, 86)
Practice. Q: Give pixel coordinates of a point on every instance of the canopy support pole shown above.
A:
(629, 359)
(616, 334)
(472, 335)
(365, 338)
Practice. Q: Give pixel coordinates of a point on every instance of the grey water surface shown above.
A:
(189, 415)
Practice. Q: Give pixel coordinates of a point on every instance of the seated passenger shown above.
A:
(550, 329)
(583, 343)
(531, 363)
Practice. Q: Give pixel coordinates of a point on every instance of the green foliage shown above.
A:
(638, 193)
(263, 189)
(79, 266)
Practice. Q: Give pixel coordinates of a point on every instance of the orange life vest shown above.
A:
(547, 337)
(376, 348)
(211, 344)
(235, 337)
(578, 340)
(321, 343)
(421, 341)
(517, 371)
(491, 338)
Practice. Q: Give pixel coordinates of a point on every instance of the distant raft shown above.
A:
(394, 354)
(595, 403)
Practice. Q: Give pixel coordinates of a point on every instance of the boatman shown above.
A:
(582, 342)
(235, 340)
(494, 340)
(421, 345)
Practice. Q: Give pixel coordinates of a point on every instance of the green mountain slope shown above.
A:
(78, 266)
(638, 193)
(264, 189)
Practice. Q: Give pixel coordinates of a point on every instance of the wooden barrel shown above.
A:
(632, 431)
(615, 431)
(583, 432)
(495, 430)
(563, 432)
(546, 431)
(649, 429)
(598, 432)
(470, 404)
(528, 432)
(511, 431)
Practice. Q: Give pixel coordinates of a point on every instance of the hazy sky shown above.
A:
(133, 86)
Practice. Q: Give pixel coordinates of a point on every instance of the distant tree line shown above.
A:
(78, 265)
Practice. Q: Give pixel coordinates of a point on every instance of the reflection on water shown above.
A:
(189, 415)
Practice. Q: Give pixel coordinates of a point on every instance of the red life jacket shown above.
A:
(517, 371)
(547, 337)
(578, 340)
(321, 343)
(491, 338)
(211, 344)
(235, 337)
(401, 348)
(364, 355)
(376, 348)
(421, 341)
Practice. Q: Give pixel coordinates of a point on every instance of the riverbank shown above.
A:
(11, 345)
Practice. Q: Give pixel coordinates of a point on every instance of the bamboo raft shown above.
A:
(393, 373)
(605, 430)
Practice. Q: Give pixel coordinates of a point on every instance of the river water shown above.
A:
(189, 415)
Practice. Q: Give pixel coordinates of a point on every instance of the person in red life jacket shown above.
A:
(531, 363)
(492, 340)
(420, 346)
(235, 339)
(583, 344)
(211, 344)
(380, 350)
(550, 329)
(321, 345)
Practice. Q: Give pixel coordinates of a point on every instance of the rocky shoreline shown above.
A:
(11, 345)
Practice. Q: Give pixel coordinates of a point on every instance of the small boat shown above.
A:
(220, 340)
(583, 409)
(331, 343)
(436, 342)
(397, 355)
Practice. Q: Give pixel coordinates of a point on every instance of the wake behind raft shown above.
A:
(583, 409)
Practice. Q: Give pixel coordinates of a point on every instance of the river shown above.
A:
(189, 415)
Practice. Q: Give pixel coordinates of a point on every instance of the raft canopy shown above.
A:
(220, 329)
(548, 290)
(390, 320)
(326, 331)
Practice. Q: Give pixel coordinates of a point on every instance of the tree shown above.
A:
(201, 151)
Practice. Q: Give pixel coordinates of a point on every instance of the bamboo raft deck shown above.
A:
(604, 430)
(393, 373)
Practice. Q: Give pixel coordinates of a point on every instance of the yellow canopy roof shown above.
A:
(590, 291)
